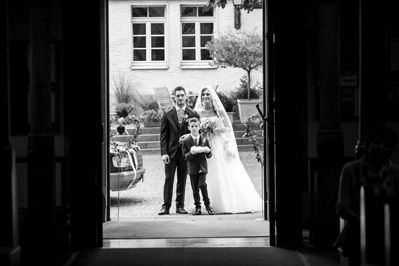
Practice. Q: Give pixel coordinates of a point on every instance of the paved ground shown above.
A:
(146, 198)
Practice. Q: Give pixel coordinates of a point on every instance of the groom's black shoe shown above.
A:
(197, 211)
(181, 210)
(164, 211)
(210, 210)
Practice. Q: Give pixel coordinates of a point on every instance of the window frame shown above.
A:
(148, 63)
(197, 20)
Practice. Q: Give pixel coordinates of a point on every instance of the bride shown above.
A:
(229, 185)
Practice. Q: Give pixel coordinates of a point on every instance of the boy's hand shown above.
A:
(207, 150)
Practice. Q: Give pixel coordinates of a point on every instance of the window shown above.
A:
(197, 28)
(149, 37)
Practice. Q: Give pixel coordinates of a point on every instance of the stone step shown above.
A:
(158, 151)
(149, 140)
(156, 143)
(241, 143)
(149, 137)
(155, 137)
(154, 130)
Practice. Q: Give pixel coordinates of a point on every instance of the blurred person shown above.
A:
(380, 176)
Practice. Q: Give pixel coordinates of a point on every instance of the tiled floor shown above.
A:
(219, 231)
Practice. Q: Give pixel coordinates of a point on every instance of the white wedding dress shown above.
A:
(230, 188)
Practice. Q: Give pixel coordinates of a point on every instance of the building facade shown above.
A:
(162, 44)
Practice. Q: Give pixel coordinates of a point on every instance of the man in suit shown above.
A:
(196, 150)
(173, 126)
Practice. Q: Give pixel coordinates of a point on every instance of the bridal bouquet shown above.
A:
(206, 128)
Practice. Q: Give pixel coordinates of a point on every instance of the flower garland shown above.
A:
(128, 120)
(250, 133)
(121, 156)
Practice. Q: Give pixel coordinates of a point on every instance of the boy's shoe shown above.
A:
(163, 211)
(181, 210)
(210, 210)
(197, 211)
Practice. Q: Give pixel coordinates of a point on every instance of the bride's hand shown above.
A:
(218, 130)
(221, 130)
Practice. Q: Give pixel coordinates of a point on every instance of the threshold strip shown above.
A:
(187, 243)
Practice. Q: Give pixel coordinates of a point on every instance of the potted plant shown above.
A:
(151, 118)
(127, 98)
(247, 107)
(239, 50)
(152, 114)
(123, 109)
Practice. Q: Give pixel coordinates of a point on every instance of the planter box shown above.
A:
(248, 107)
(152, 123)
(230, 115)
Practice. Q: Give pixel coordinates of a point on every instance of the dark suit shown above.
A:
(197, 169)
(171, 131)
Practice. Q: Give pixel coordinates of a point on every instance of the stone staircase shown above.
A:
(149, 138)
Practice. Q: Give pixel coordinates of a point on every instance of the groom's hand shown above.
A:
(165, 159)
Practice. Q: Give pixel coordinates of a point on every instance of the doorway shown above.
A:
(133, 213)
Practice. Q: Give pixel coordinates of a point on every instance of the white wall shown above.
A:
(144, 81)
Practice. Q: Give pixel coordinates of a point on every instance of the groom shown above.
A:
(173, 126)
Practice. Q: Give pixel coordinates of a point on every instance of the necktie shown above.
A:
(180, 114)
(196, 141)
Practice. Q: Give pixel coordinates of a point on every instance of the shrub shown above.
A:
(228, 102)
(125, 94)
(150, 105)
(241, 91)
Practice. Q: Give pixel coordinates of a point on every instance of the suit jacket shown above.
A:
(171, 130)
(195, 162)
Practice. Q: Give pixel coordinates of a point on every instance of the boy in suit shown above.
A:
(196, 151)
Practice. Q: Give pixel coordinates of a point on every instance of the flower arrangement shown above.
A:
(206, 128)
(152, 114)
(122, 153)
(123, 109)
(250, 133)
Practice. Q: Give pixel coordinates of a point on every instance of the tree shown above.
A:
(248, 5)
(238, 50)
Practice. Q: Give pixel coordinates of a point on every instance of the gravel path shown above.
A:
(146, 198)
